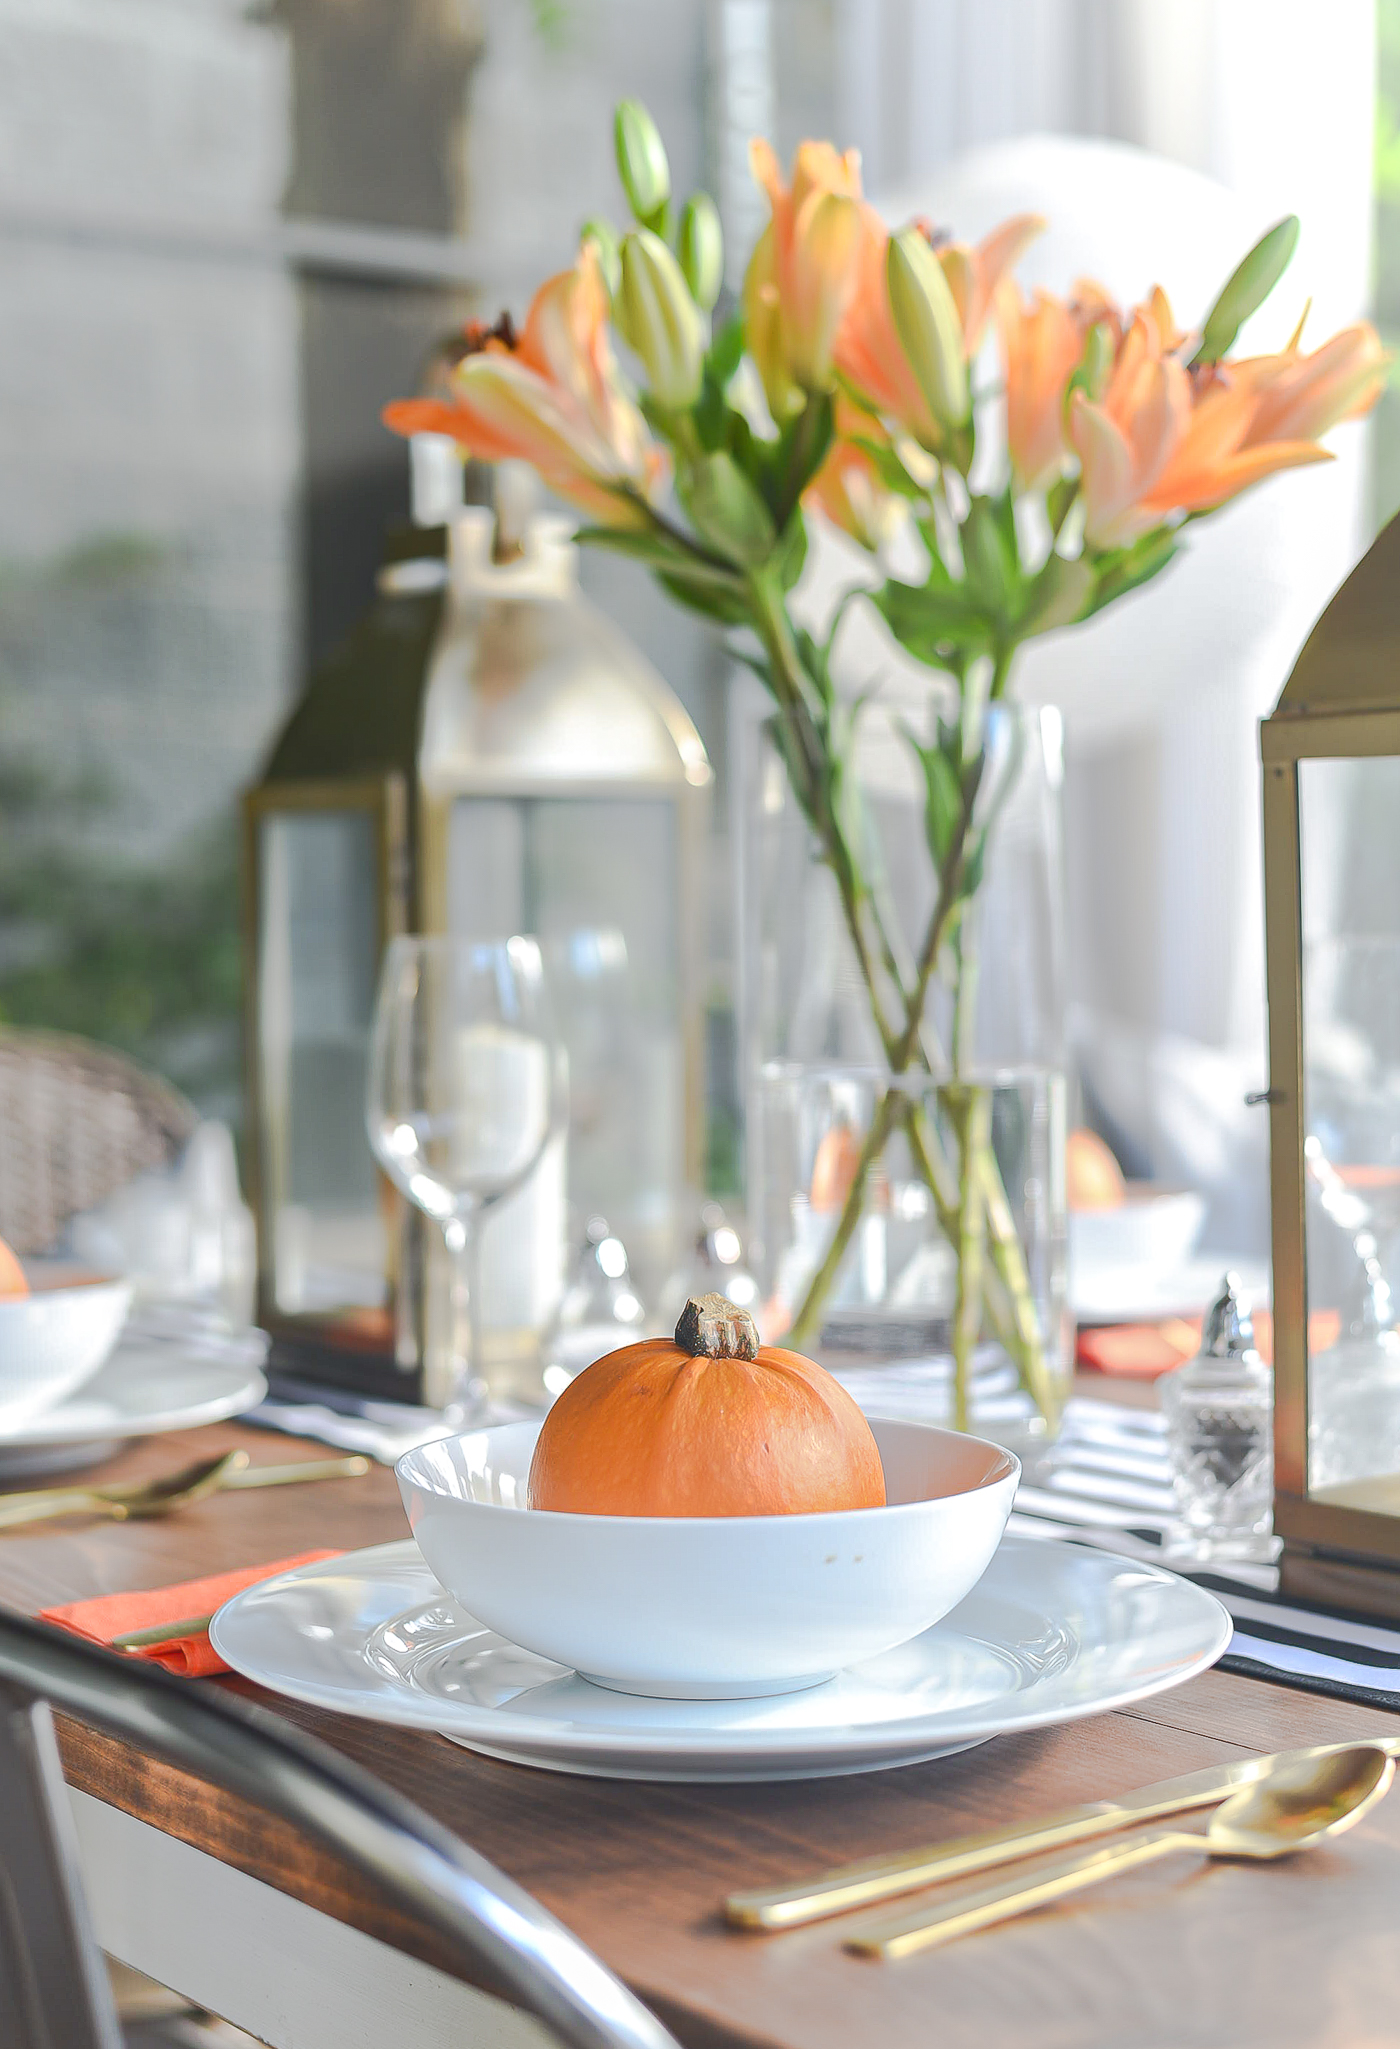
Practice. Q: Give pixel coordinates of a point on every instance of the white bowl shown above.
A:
(54, 1340)
(714, 1607)
(1155, 1227)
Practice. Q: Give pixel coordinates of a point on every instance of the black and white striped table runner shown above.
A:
(1108, 1483)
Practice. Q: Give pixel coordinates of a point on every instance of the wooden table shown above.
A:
(259, 1925)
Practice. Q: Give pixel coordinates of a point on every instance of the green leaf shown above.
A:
(726, 351)
(1058, 500)
(655, 549)
(888, 467)
(990, 558)
(726, 510)
(713, 415)
(1246, 289)
(1055, 596)
(1123, 569)
(936, 627)
(942, 797)
(791, 554)
(698, 594)
(793, 460)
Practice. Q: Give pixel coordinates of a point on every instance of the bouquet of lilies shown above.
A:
(845, 386)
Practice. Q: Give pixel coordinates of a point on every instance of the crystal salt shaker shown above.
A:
(1219, 1408)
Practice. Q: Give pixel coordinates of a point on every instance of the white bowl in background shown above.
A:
(53, 1340)
(712, 1607)
(1156, 1227)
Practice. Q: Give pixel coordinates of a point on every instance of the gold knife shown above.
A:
(884, 1878)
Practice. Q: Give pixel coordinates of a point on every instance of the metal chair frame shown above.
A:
(502, 1936)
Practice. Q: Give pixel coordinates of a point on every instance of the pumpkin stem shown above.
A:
(711, 1327)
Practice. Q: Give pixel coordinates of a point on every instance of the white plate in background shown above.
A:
(147, 1386)
(1144, 1294)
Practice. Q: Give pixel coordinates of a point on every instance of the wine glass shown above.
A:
(467, 1086)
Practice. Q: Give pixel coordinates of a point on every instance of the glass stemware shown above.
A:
(467, 1086)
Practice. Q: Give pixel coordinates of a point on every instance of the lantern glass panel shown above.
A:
(1349, 837)
(318, 950)
(595, 878)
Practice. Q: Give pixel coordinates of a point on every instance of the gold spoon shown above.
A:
(1291, 1809)
(133, 1500)
(125, 1501)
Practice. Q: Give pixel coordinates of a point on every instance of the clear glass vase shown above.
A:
(956, 1248)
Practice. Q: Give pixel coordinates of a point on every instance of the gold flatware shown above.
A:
(126, 1501)
(1290, 1809)
(884, 1878)
(139, 1500)
(162, 1632)
(347, 1468)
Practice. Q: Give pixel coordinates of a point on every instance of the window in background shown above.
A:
(229, 231)
(189, 388)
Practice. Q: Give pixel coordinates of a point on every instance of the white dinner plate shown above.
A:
(1051, 1632)
(147, 1386)
(1143, 1294)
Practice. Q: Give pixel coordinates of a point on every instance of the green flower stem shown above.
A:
(785, 664)
(970, 1112)
(1018, 1310)
(971, 1209)
(950, 892)
(806, 1324)
(1007, 1285)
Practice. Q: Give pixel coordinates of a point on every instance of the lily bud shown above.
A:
(1247, 287)
(700, 248)
(603, 235)
(926, 321)
(641, 161)
(659, 320)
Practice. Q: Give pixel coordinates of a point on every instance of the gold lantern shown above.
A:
(1331, 767)
(487, 754)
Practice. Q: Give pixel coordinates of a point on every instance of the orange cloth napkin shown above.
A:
(193, 1656)
(1144, 1351)
(1139, 1351)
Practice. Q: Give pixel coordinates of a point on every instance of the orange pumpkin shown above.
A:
(712, 1424)
(12, 1280)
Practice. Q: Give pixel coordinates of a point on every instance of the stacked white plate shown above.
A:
(1050, 1633)
(156, 1379)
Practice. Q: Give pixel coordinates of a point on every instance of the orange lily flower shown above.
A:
(1042, 341)
(1160, 442)
(1215, 459)
(1299, 397)
(1125, 440)
(551, 398)
(803, 269)
(869, 352)
(848, 487)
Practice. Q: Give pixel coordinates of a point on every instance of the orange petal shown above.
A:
(1212, 487)
(766, 170)
(994, 256)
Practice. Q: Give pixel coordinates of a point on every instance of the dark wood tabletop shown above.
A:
(1179, 1953)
